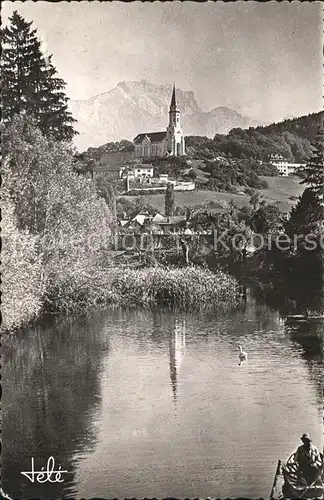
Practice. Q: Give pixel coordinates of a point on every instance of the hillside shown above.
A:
(304, 126)
(134, 107)
(291, 138)
(279, 190)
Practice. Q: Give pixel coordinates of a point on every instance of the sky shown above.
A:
(263, 60)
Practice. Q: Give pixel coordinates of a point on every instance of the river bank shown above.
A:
(185, 288)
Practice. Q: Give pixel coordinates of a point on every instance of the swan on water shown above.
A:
(242, 355)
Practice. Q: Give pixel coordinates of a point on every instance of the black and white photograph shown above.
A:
(162, 250)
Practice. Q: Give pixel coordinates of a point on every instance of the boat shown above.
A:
(289, 484)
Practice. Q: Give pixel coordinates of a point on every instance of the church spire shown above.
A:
(175, 139)
(173, 99)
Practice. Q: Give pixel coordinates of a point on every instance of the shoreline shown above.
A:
(182, 288)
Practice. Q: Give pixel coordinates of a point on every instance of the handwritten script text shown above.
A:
(43, 476)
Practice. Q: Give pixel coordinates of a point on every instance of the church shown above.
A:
(168, 143)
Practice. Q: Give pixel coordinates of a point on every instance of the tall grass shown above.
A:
(185, 288)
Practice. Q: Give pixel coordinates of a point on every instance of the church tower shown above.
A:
(175, 138)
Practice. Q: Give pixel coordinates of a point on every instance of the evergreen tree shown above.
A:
(314, 170)
(306, 216)
(169, 202)
(29, 82)
(306, 235)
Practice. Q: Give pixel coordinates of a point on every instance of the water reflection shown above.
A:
(308, 335)
(153, 404)
(51, 390)
(177, 347)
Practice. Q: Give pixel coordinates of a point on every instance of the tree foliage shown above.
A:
(314, 170)
(60, 208)
(307, 216)
(29, 82)
(290, 138)
(169, 201)
(21, 274)
(266, 219)
(230, 174)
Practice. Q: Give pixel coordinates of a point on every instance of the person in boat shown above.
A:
(309, 460)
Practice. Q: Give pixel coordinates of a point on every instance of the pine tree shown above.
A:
(29, 82)
(314, 170)
(169, 201)
(306, 216)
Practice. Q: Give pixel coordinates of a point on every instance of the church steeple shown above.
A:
(173, 105)
(175, 139)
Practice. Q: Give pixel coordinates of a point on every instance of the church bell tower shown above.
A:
(175, 138)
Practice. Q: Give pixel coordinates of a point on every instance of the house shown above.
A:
(170, 142)
(285, 167)
(112, 164)
(137, 221)
(158, 218)
(143, 170)
(112, 172)
(173, 224)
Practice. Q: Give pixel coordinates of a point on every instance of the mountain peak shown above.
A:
(134, 106)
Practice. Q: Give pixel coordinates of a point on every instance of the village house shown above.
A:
(142, 170)
(111, 172)
(136, 221)
(143, 222)
(173, 224)
(112, 164)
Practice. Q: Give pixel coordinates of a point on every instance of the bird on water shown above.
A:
(242, 355)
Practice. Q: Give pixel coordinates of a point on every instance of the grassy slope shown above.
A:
(280, 189)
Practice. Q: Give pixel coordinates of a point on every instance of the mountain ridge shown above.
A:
(133, 106)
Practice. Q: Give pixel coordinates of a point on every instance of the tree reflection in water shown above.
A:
(309, 335)
(51, 387)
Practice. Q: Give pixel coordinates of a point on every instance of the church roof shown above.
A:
(153, 137)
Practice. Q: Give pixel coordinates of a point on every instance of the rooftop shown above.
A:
(152, 136)
(175, 219)
(143, 165)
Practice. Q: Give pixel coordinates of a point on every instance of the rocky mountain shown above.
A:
(134, 107)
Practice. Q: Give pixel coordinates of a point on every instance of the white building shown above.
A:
(285, 167)
(142, 170)
(171, 142)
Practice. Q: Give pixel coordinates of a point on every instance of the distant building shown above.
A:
(173, 224)
(137, 221)
(142, 170)
(285, 167)
(110, 172)
(171, 142)
(112, 164)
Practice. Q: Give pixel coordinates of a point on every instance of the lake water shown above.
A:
(154, 404)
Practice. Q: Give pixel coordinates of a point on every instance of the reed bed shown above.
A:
(185, 288)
